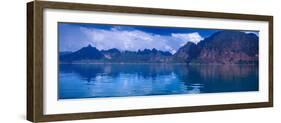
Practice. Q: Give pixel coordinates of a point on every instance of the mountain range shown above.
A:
(223, 47)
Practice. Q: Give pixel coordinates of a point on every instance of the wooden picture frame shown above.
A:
(35, 60)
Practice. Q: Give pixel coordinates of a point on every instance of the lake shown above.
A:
(121, 80)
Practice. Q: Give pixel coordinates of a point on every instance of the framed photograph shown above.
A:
(90, 61)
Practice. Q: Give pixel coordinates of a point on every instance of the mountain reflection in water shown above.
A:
(119, 80)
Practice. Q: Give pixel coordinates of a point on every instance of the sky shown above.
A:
(73, 36)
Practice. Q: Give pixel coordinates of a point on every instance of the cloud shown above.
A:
(253, 32)
(133, 39)
(192, 37)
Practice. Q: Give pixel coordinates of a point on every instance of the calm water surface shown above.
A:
(119, 80)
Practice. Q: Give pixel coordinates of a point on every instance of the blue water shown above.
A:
(120, 80)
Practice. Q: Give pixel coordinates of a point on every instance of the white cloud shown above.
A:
(248, 32)
(192, 37)
(134, 40)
